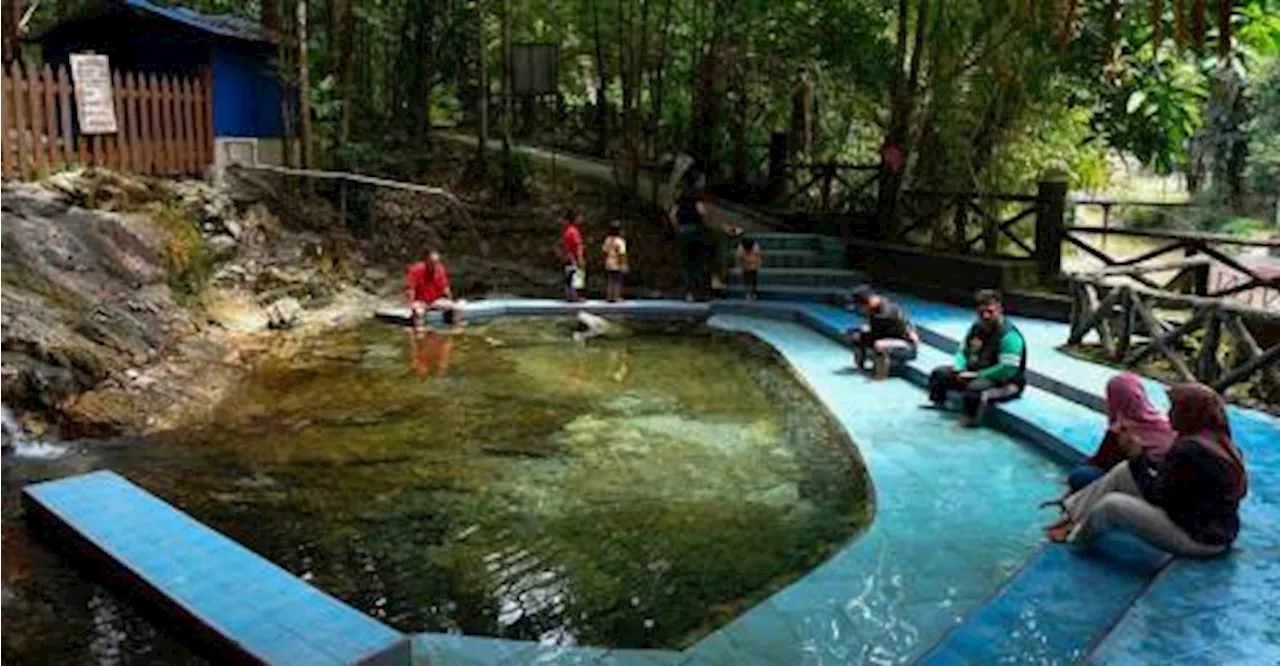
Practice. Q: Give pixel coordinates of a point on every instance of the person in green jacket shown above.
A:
(990, 365)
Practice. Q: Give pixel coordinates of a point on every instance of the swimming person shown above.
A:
(1185, 503)
(615, 261)
(427, 288)
(1134, 427)
(750, 260)
(573, 254)
(990, 365)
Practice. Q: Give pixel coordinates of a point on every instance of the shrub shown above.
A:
(186, 259)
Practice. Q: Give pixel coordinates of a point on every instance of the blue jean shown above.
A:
(1083, 476)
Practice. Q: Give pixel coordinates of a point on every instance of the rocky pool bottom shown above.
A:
(502, 480)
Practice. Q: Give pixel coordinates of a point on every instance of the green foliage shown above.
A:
(1154, 108)
(1264, 130)
(999, 97)
(187, 260)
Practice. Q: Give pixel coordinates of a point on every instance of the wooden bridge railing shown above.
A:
(1236, 278)
(969, 222)
(1130, 330)
(828, 187)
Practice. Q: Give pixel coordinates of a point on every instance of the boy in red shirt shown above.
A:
(574, 254)
(427, 288)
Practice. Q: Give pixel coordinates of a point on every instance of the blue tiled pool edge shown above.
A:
(1063, 428)
(1069, 445)
(240, 606)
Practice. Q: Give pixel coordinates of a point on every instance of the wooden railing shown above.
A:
(165, 125)
(969, 222)
(1130, 331)
(1215, 271)
(829, 188)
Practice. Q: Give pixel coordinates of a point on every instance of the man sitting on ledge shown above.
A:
(990, 365)
(888, 336)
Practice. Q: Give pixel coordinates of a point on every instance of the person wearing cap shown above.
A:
(888, 336)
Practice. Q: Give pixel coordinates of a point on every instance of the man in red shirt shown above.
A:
(427, 288)
(573, 252)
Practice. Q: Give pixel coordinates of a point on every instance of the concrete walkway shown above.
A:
(602, 173)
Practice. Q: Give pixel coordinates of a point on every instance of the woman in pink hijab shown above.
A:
(1134, 427)
(1187, 502)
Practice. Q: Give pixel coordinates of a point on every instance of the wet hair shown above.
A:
(863, 293)
(986, 297)
(615, 227)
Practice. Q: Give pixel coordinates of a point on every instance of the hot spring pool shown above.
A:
(503, 481)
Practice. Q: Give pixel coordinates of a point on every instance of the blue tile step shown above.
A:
(239, 606)
(770, 242)
(808, 294)
(1043, 614)
(804, 259)
(806, 277)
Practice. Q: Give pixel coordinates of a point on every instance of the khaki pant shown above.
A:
(1114, 502)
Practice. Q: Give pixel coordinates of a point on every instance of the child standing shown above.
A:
(750, 259)
(615, 261)
(574, 255)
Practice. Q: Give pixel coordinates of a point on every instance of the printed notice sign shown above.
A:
(95, 108)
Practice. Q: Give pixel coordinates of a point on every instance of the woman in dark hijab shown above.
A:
(1186, 503)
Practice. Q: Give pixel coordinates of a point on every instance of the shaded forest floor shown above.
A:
(492, 247)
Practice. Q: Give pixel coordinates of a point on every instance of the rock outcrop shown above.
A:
(118, 314)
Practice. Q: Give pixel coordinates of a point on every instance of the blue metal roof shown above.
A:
(223, 25)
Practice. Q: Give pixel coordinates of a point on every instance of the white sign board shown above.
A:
(95, 107)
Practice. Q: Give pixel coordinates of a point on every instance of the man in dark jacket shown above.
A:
(990, 365)
(888, 335)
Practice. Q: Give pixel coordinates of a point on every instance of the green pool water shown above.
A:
(507, 481)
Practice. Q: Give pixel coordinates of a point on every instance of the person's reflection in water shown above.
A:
(430, 352)
(618, 365)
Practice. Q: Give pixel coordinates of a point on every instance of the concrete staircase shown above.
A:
(800, 267)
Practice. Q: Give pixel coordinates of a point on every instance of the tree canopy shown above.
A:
(959, 93)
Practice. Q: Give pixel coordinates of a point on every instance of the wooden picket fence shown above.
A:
(165, 125)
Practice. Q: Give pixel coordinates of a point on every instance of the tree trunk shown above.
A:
(602, 85)
(277, 18)
(482, 86)
(802, 114)
(343, 28)
(896, 151)
(304, 86)
(641, 75)
(658, 87)
(508, 177)
(706, 102)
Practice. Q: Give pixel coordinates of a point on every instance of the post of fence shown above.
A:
(1199, 274)
(1050, 225)
(778, 154)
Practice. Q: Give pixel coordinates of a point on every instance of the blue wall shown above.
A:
(246, 96)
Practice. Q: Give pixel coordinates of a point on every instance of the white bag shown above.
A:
(579, 279)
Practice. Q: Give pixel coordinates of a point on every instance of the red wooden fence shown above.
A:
(164, 125)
